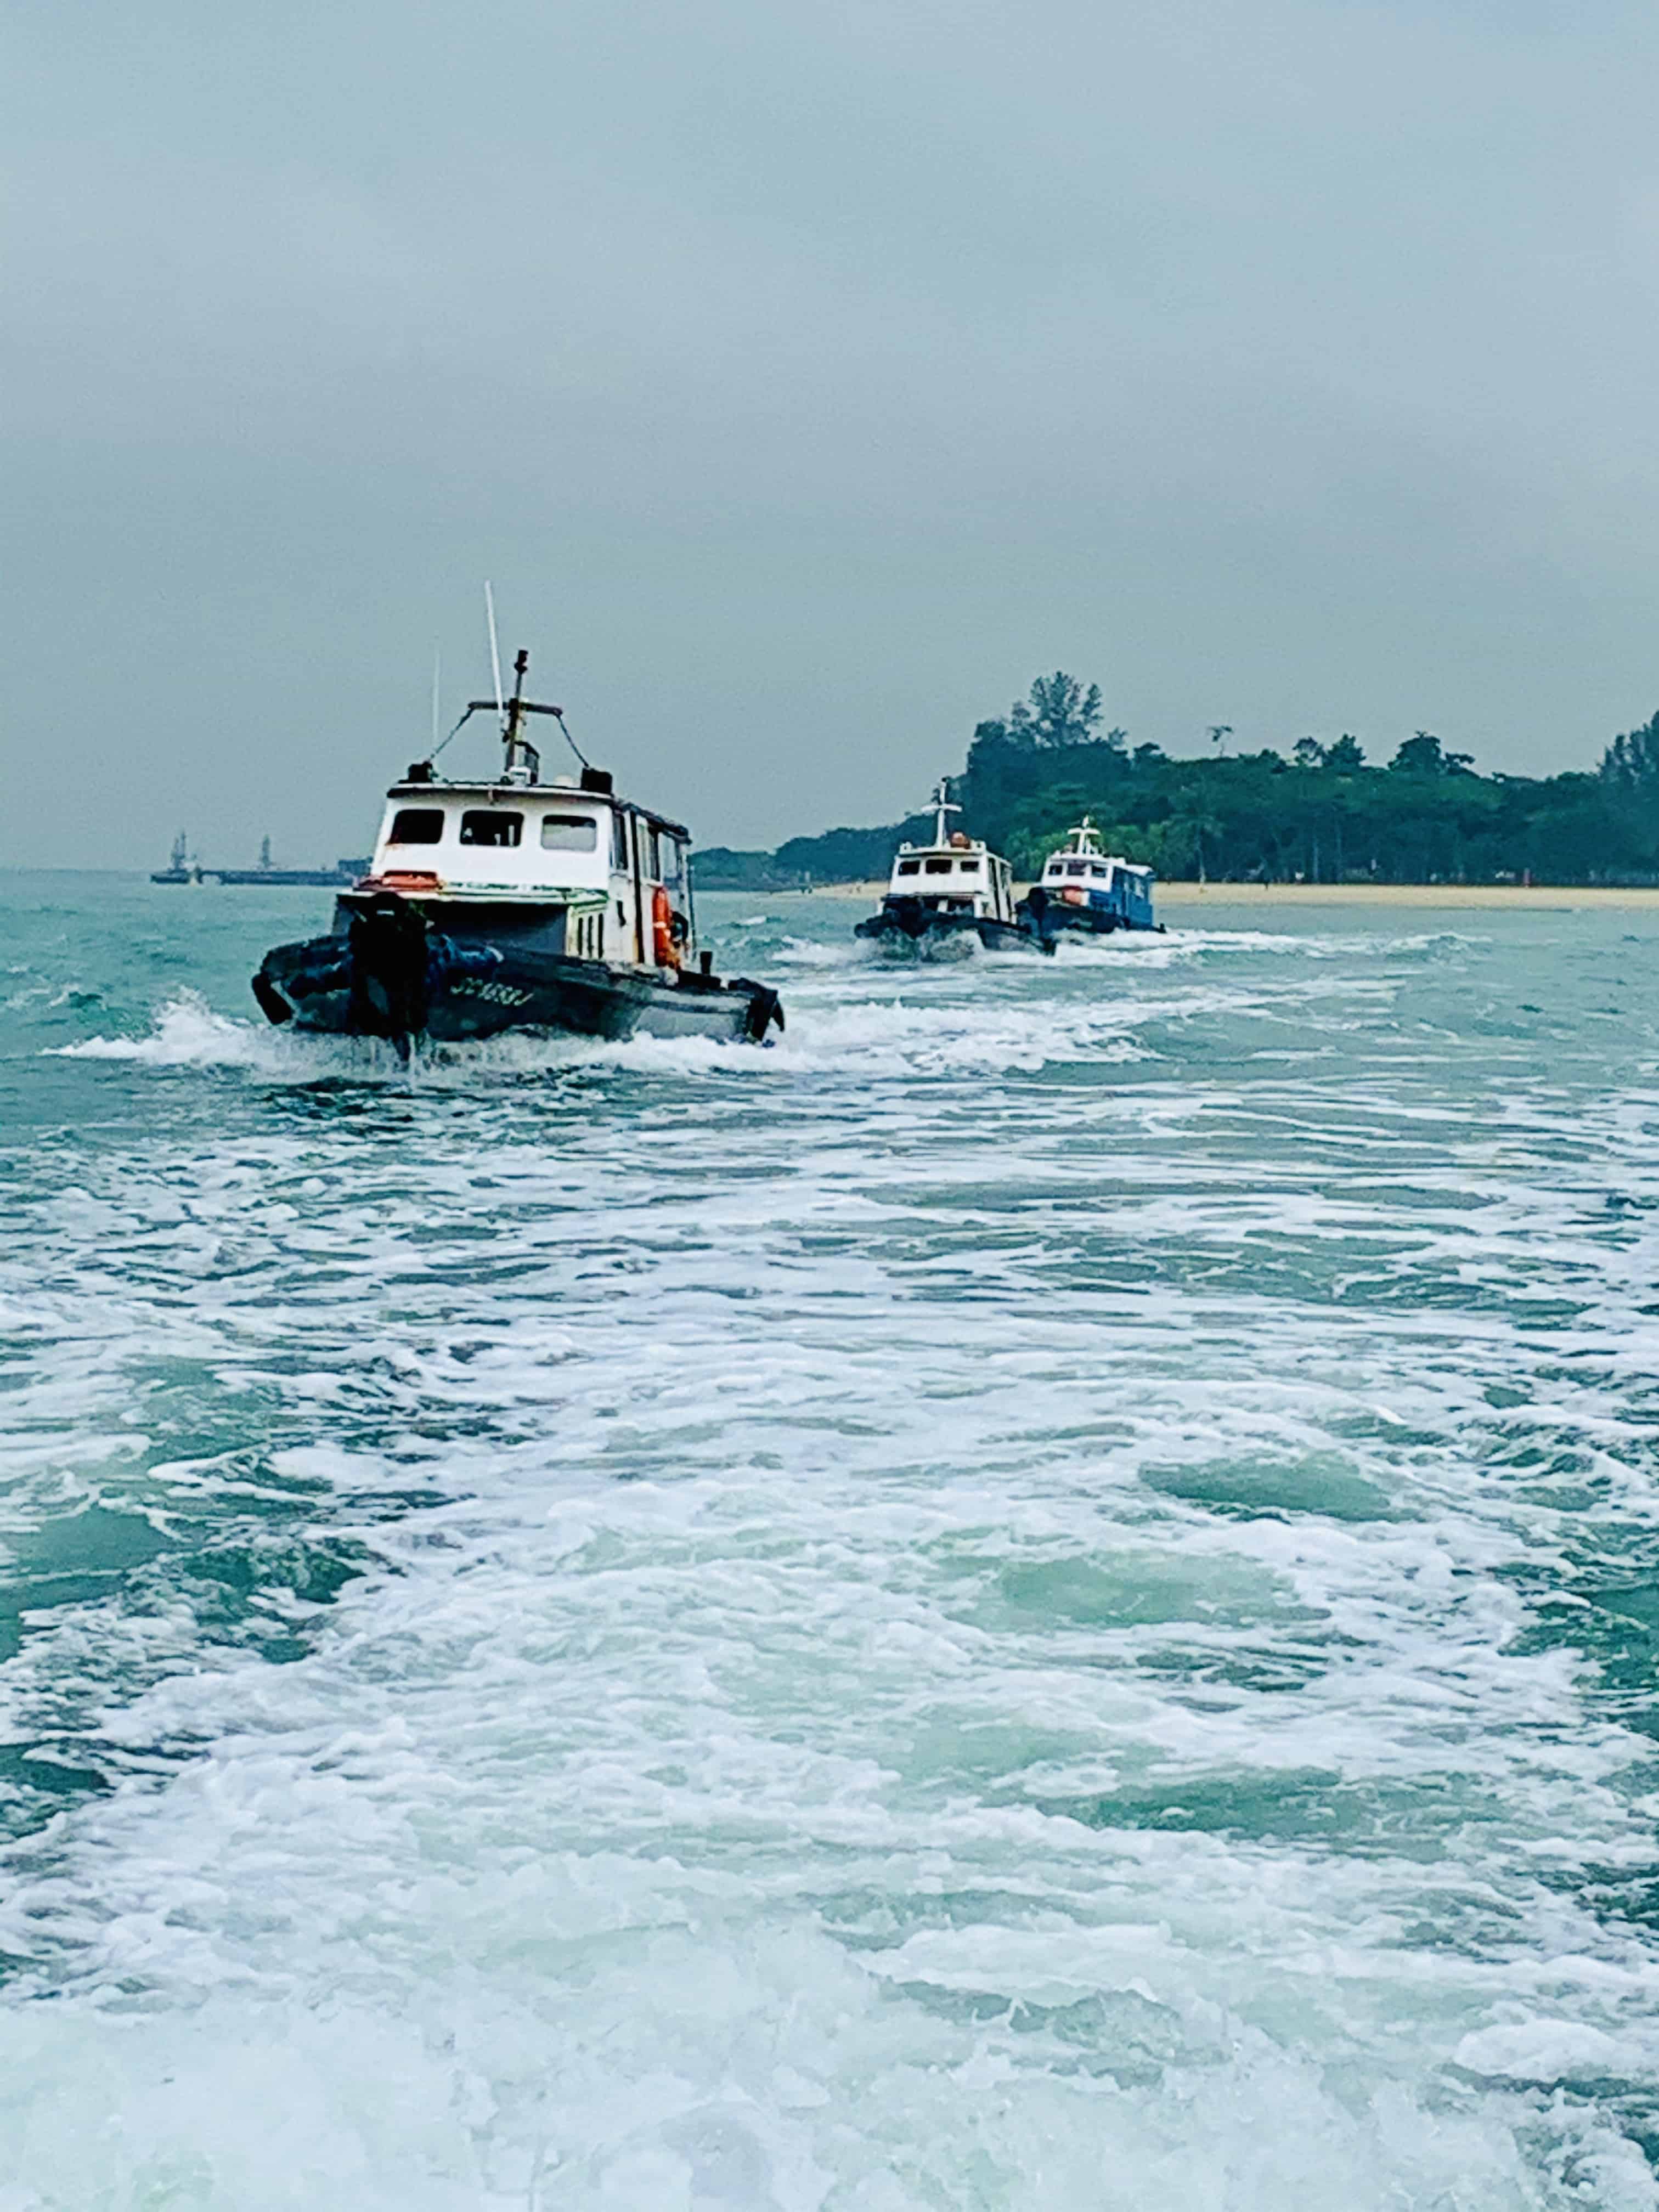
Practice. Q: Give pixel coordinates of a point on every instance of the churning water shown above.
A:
(1044, 1596)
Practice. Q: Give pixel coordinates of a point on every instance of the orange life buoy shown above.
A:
(662, 930)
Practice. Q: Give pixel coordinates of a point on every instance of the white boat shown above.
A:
(519, 903)
(1083, 888)
(947, 900)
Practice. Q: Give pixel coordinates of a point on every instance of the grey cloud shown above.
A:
(807, 379)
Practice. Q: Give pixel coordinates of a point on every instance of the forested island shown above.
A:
(1320, 813)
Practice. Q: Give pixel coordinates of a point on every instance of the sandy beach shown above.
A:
(1542, 898)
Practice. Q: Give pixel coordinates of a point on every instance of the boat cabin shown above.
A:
(566, 866)
(1080, 874)
(563, 865)
(955, 874)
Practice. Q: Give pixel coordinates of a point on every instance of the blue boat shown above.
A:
(1083, 888)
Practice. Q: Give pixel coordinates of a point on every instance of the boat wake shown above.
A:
(934, 1025)
(894, 1039)
(187, 1033)
(1040, 1595)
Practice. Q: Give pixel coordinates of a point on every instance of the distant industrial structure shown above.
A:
(182, 868)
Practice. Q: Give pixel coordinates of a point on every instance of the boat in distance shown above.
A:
(949, 900)
(182, 870)
(1083, 888)
(342, 872)
(515, 904)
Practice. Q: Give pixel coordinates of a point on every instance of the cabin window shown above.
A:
(569, 833)
(968, 867)
(1077, 867)
(673, 856)
(909, 867)
(653, 857)
(1100, 872)
(936, 867)
(490, 825)
(417, 825)
(619, 842)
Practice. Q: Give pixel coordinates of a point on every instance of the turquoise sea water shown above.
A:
(1045, 1596)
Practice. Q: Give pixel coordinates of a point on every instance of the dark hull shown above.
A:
(1057, 921)
(905, 930)
(390, 975)
(316, 878)
(1058, 916)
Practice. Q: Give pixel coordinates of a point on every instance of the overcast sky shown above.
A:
(807, 378)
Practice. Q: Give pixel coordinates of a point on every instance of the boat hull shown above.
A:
(1086, 924)
(289, 878)
(1057, 917)
(905, 930)
(391, 976)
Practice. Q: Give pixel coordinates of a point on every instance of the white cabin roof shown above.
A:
(521, 840)
(501, 793)
(960, 842)
(966, 856)
(1083, 843)
(1098, 861)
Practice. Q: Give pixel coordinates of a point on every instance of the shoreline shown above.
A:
(1541, 898)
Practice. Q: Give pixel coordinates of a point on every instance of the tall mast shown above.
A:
(942, 802)
(524, 762)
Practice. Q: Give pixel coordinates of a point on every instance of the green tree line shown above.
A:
(1318, 812)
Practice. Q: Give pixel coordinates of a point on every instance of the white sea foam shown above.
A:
(894, 1036)
(809, 952)
(186, 1033)
(990, 1607)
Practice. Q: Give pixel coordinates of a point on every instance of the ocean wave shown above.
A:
(878, 1038)
(1040, 1594)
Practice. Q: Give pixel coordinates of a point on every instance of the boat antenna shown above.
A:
(942, 802)
(494, 654)
(521, 753)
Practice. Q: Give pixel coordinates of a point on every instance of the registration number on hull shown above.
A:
(498, 995)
